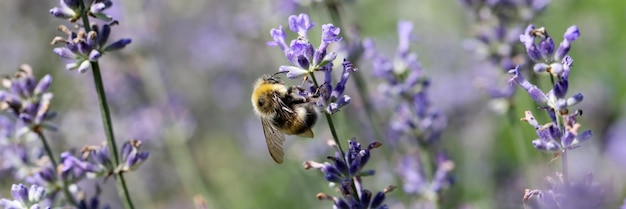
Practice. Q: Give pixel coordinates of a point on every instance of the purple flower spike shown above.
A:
(346, 172)
(81, 46)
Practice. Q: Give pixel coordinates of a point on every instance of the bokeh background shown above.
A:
(183, 85)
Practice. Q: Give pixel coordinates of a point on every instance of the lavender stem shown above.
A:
(50, 154)
(106, 115)
(333, 131)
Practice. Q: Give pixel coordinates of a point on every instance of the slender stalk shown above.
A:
(108, 128)
(50, 154)
(331, 126)
(329, 119)
(106, 115)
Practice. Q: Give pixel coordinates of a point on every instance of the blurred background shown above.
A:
(183, 85)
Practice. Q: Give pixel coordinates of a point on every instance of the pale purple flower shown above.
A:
(72, 10)
(300, 52)
(132, 156)
(24, 197)
(415, 122)
(574, 194)
(556, 139)
(496, 32)
(306, 59)
(82, 48)
(27, 99)
(341, 169)
(541, 48)
(404, 79)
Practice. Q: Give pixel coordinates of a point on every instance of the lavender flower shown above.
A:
(336, 99)
(307, 59)
(496, 34)
(341, 169)
(83, 47)
(552, 139)
(404, 79)
(411, 171)
(415, 123)
(541, 49)
(581, 194)
(300, 52)
(27, 99)
(73, 10)
(24, 197)
(96, 160)
(132, 156)
(562, 133)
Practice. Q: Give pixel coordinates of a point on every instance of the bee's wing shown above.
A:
(274, 139)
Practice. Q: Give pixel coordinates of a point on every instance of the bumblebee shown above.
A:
(282, 110)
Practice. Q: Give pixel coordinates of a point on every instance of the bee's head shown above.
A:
(265, 103)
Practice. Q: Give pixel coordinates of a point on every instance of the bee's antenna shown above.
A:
(275, 74)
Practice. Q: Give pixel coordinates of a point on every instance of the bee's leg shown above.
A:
(317, 93)
(304, 79)
(293, 93)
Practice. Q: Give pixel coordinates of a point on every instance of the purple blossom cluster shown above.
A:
(24, 197)
(25, 106)
(82, 47)
(306, 59)
(497, 26)
(559, 193)
(404, 79)
(415, 124)
(562, 133)
(88, 44)
(346, 172)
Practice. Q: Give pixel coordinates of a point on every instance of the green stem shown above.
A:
(106, 116)
(329, 119)
(108, 128)
(50, 154)
(333, 131)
